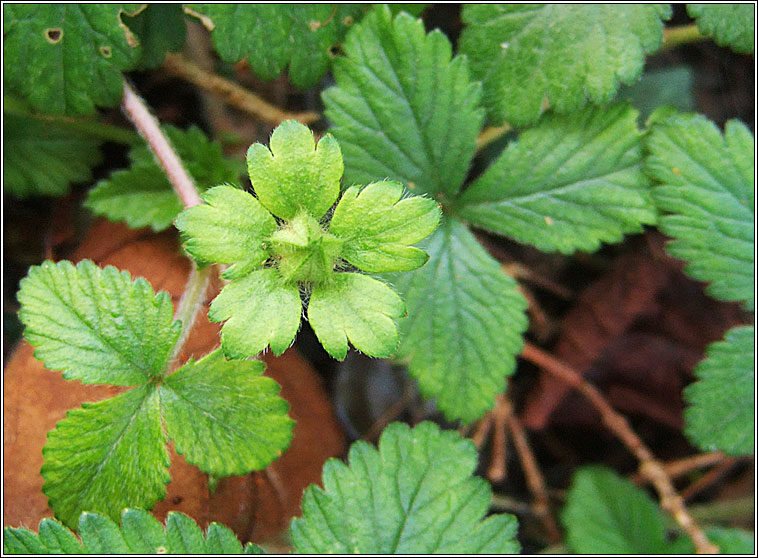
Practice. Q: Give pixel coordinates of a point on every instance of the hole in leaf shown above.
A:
(53, 35)
(106, 51)
(334, 51)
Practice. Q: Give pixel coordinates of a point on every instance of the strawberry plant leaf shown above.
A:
(142, 533)
(567, 184)
(40, 158)
(464, 326)
(296, 174)
(403, 109)
(101, 535)
(378, 227)
(730, 25)
(161, 29)
(707, 191)
(57, 539)
(142, 195)
(272, 37)
(259, 311)
(232, 228)
(68, 58)
(86, 456)
(230, 403)
(414, 495)
(356, 308)
(566, 54)
(722, 415)
(97, 325)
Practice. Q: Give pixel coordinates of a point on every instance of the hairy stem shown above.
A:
(191, 302)
(683, 34)
(683, 466)
(232, 93)
(650, 467)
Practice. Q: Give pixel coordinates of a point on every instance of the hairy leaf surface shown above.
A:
(403, 108)
(568, 184)
(707, 191)
(97, 325)
(414, 495)
(562, 55)
(730, 25)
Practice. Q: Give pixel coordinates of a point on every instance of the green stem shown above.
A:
(675, 36)
(190, 304)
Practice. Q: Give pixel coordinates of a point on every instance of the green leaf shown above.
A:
(22, 541)
(40, 158)
(730, 25)
(97, 325)
(296, 174)
(666, 86)
(403, 109)
(57, 538)
(161, 29)
(221, 540)
(707, 188)
(415, 495)
(183, 534)
(564, 54)
(224, 416)
(606, 514)
(356, 308)
(68, 58)
(731, 541)
(106, 456)
(101, 535)
(142, 532)
(722, 415)
(259, 310)
(142, 195)
(233, 228)
(464, 326)
(378, 227)
(272, 36)
(568, 184)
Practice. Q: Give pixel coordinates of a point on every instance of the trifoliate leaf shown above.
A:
(42, 159)
(259, 311)
(142, 195)
(272, 36)
(403, 109)
(722, 415)
(224, 416)
(233, 228)
(707, 188)
(565, 54)
(140, 533)
(414, 495)
(160, 29)
(356, 308)
(68, 58)
(568, 184)
(106, 456)
(378, 227)
(606, 514)
(464, 326)
(296, 173)
(730, 25)
(97, 325)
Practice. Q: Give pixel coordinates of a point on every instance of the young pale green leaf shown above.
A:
(224, 416)
(722, 415)
(707, 189)
(97, 325)
(140, 533)
(562, 55)
(259, 311)
(42, 159)
(142, 195)
(402, 108)
(106, 456)
(415, 495)
(730, 25)
(296, 173)
(606, 514)
(68, 58)
(568, 184)
(233, 228)
(272, 36)
(378, 227)
(356, 308)
(464, 326)
(160, 29)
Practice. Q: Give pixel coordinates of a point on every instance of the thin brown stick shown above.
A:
(680, 467)
(680, 35)
(490, 134)
(482, 430)
(497, 470)
(232, 93)
(709, 478)
(650, 467)
(534, 479)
